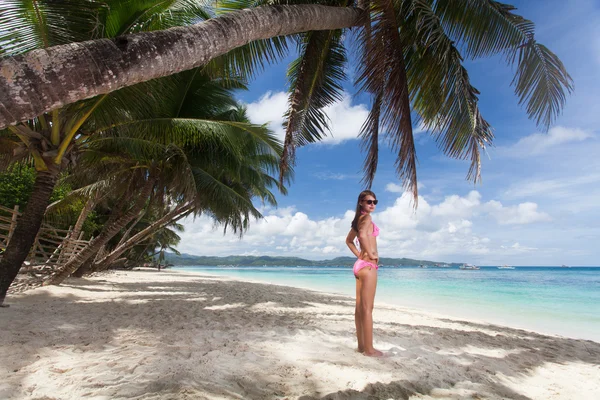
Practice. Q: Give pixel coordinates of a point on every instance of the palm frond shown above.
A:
(441, 90)
(316, 78)
(149, 15)
(209, 135)
(34, 24)
(383, 72)
(369, 135)
(248, 60)
(488, 27)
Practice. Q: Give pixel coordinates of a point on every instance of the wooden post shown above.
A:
(64, 248)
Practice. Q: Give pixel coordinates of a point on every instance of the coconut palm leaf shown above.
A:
(191, 132)
(316, 78)
(487, 27)
(33, 24)
(441, 91)
(383, 72)
(369, 135)
(249, 60)
(149, 15)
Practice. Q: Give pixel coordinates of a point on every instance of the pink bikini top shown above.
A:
(375, 227)
(375, 230)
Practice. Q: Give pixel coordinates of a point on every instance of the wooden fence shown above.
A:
(52, 247)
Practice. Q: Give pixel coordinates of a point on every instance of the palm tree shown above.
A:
(52, 139)
(199, 151)
(412, 53)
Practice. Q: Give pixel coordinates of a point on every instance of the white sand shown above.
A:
(179, 335)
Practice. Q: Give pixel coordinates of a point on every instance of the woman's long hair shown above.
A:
(357, 215)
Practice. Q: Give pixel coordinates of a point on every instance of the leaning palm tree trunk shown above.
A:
(171, 216)
(26, 230)
(46, 79)
(108, 232)
(130, 228)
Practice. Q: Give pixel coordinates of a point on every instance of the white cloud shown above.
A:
(270, 109)
(524, 213)
(539, 143)
(395, 188)
(457, 206)
(345, 119)
(448, 230)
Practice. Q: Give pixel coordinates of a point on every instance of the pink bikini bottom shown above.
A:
(360, 264)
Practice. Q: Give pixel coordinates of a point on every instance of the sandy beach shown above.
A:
(179, 335)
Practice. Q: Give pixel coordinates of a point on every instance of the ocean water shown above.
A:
(562, 301)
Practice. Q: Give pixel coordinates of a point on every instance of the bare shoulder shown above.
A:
(364, 218)
(364, 221)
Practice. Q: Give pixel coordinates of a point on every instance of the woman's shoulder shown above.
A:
(364, 219)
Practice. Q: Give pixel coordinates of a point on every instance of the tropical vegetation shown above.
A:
(409, 55)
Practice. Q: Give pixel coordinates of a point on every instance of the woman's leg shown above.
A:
(368, 278)
(358, 317)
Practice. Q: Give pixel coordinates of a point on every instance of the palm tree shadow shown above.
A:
(204, 336)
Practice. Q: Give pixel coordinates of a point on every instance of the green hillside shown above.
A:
(188, 259)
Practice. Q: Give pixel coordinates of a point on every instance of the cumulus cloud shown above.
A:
(451, 228)
(524, 213)
(539, 143)
(395, 188)
(345, 119)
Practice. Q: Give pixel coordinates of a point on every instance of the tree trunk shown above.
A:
(108, 232)
(27, 229)
(85, 267)
(143, 234)
(128, 231)
(46, 79)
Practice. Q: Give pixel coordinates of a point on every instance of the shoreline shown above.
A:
(173, 334)
(429, 309)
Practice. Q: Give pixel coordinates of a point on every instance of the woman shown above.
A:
(365, 270)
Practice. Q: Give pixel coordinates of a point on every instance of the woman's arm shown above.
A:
(350, 243)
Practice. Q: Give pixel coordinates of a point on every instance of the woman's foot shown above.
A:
(373, 353)
(360, 350)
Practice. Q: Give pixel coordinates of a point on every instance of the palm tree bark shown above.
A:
(46, 79)
(130, 228)
(173, 215)
(27, 229)
(108, 232)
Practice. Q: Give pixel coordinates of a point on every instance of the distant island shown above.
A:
(188, 259)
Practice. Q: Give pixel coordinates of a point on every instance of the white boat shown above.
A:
(468, 266)
(506, 267)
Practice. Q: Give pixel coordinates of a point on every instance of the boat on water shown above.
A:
(564, 266)
(468, 266)
(506, 267)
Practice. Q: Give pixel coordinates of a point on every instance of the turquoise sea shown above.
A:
(562, 301)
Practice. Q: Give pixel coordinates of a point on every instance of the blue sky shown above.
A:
(536, 205)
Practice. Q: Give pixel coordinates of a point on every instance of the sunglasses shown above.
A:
(369, 202)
